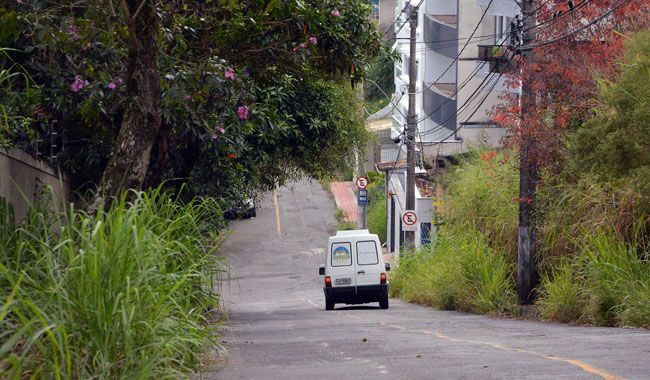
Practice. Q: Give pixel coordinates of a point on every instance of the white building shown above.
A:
(456, 86)
(449, 122)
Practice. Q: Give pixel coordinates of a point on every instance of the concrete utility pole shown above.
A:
(528, 173)
(411, 125)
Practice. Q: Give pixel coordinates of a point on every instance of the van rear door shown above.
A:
(342, 267)
(369, 262)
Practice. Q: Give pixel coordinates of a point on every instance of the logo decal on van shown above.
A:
(342, 254)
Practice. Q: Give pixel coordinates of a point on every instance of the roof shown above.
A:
(380, 124)
(392, 165)
(447, 89)
(352, 232)
(446, 19)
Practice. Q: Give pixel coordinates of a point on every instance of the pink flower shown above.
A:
(221, 130)
(302, 45)
(72, 31)
(78, 84)
(313, 40)
(335, 13)
(215, 136)
(229, 73)
(112, 86)
(242, 112)
(187, 97)
(119, 81)
(295, 49)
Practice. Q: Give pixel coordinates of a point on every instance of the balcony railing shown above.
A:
(499, 57)
(441, 109)
(435, 30)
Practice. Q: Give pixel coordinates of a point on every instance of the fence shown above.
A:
(23, 177)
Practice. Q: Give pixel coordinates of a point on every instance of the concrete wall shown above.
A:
(24, 177)
(386, 18)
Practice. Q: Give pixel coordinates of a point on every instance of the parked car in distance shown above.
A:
(241, 209)
(354, 270)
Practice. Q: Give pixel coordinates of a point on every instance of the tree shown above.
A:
(615, 142)
(131, 151)
(565, 74)
(230, 76)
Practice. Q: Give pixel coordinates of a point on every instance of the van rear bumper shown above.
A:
(352, 295)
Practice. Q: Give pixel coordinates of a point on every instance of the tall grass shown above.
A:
(482, 191)
(459, 271)
(123, 294)
(376, 209)
(607, 283)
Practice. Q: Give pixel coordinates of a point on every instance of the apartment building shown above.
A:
(457, 86)
(453, 75)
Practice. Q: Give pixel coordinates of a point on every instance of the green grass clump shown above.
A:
(458, 272)
(606, 283)
(121, 294)
(561, 296)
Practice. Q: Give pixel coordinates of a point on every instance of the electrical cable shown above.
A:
(548, 42)
(392, 24)
(409, 16)
(484, 83)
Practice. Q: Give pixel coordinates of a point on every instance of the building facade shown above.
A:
(456, 87)
(461, 54)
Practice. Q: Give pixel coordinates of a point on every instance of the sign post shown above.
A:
(409, 220)
(362, 201)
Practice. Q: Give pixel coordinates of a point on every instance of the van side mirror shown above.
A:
(321, 270)
(387, 265)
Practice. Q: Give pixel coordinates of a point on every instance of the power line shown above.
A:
(392, 24)
(470, 99)
(544, 43)
(409, 16)
(461, 50)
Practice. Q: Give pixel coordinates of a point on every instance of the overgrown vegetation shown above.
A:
(470, 264)
(127, 293)
(459, 272)
(379, 85)
(376, 209)
(252, 94)
(594, 219)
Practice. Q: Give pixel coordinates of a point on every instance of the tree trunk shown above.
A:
(131, 151)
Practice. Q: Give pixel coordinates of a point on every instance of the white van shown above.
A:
(354, 270)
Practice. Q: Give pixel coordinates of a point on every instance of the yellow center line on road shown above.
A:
(574, 362)
(277, 213)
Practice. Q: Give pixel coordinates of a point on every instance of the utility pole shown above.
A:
(411, 125)
(528, 172)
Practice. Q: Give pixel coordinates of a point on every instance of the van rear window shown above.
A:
(341, 254)
(367, 253)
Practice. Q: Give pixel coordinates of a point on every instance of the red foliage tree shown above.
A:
(566, 71)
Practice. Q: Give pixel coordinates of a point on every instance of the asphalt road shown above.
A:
(278, 328)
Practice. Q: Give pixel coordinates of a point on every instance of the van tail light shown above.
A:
(328, 281)
(382, 278)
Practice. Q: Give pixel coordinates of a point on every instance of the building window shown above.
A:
(425, 233)
(501, 29)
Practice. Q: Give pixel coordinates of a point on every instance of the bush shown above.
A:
(120, 294)
(459, 271)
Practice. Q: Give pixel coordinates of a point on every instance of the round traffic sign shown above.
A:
(409, 218)
(362, 182)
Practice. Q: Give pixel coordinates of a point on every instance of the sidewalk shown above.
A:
(345, 199)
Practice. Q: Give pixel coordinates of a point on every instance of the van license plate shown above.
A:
(343, 281)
